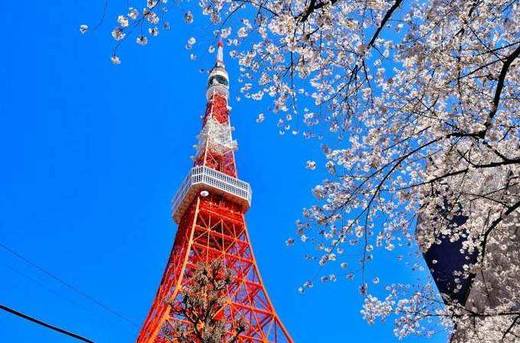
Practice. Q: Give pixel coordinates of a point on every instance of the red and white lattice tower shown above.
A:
(209, 209)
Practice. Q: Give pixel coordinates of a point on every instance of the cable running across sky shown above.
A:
(67, 285)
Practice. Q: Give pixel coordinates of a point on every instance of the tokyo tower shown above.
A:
(209, 209)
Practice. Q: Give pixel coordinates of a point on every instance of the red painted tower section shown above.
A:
(209, 209)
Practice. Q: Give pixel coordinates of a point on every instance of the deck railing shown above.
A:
(202, 178)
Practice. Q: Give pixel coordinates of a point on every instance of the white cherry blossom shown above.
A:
(83, 28)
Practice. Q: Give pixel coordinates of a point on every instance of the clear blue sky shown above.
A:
(91, 156)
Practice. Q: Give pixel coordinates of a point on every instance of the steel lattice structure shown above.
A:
(209, 209)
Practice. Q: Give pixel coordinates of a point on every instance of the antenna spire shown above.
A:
(220, 53)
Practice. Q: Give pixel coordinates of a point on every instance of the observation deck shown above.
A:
(202, 178)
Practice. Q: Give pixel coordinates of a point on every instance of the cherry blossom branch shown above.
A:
(500, 85)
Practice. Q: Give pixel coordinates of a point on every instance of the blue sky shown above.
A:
(91, 156)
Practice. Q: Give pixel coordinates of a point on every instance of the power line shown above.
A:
(66, 284)
(44, 324)
(58, 294)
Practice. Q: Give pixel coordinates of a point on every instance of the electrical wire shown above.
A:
(44, 324)
(51, 290)
(66, 284)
